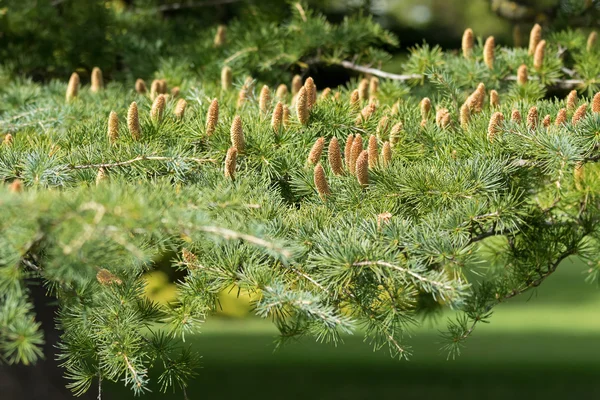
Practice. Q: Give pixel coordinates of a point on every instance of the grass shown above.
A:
(541, 346)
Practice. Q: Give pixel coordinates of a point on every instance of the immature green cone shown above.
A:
(373, 152)
(212, 117)
(362, 168)
(180, 109)
(355, 99)
(296, 84)
(277, 117)
(321, 182)
(334, 156)
(535, 36)
(220, 37)
(101, 176)
(16, 186)
(538, 56)
(8, 139)
(373, 87)
(237, 135)
(363, 89)
(140, 86)
(113, 127)
(596, 103)
(516, 116)
(572, 100)
(155, 89)
(97, 80)
(311, 92)
(467, 43)
(315, 152)
(133, 122)
(158, 108)
(579, 114)
(302, 106)
(226, 78)
(522, 75)
(348, 152)
(489, 52)
(532, 118)
(494, 99)
(561, 117)
(396, 132)
(72, 87)
(286, 116)
(547, 121)
(465, 115)
(107, 278)
(591, 40)
(386, 154)
(494, 125)
(230, 163)
(282, 93)
(425, 107)
(357, 147)
(264, 101)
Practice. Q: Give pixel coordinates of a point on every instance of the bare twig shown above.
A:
(229, 234)
(141, 158)
(194, 4)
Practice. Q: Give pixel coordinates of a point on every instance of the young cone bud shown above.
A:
(547, 121)
(311, 92)
(425, 106)
(302, 106)
(8, 139)
(325, 94)
(158, 108)
(237, 135)
(395, 133)
(212, 117)
(467, 43)
(534, 38)
(522, 75)
(113, 127)
(315, 152)
(561, 117)
(579, 114)
(355, 99)
(494, 125)
(230, 163)
(175, 91)
(363, 89)
(321, 182)
(106, 278)
(155, 89)
(591, 40)
(516, 116)
(220, 37)
(101, 176)
(16, 186)
(348, 152)
(97, 80)
(133, 122)
(296, 84)
(373, 151)
(357, 147)
(226, 78)
(286, 116)
(72, 87)
(494, 99)
(362, 168)
(335, 157)
(140, 86)
(368, 111)
(596, 103)
(572, 100)
(264, 101)
(180, 108)
(386, 153)
(277, 117)
(489, 51)
(282, 93)
(465, 115)
(163, 88)
(538, 56)
(373, 87)
(383, 126)
(532, 118)
(440, 117)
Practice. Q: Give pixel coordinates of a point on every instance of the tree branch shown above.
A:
(142, 158)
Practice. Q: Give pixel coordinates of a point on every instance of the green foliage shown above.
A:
(94, 216)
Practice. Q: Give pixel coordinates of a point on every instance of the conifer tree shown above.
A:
(250, 191)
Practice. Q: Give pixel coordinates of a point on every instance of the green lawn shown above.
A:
(546, 345)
